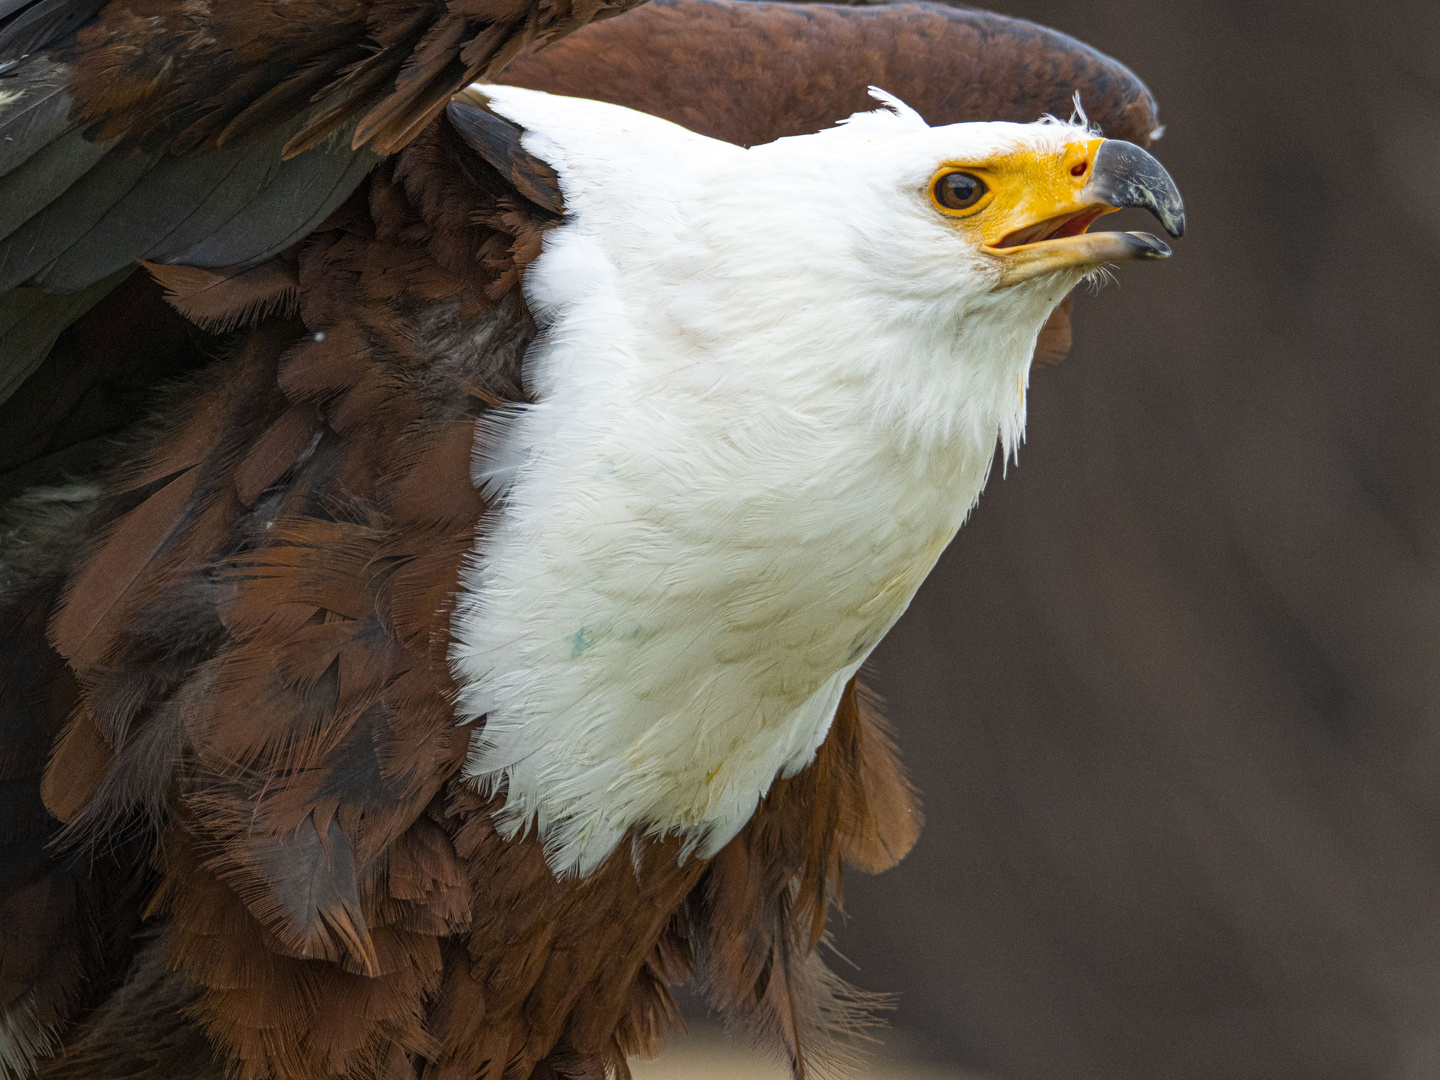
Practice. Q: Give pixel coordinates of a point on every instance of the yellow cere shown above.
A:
(1025, 188)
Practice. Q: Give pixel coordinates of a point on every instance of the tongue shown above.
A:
(1053, 228)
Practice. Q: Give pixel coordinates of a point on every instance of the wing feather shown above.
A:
(305, 191)
(35, 110)
(28, 189)
(32, 248)
(752, 73)
(31, 26)
(31, 320)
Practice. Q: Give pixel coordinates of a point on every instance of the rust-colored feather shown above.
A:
(222, 299)
(128, 550)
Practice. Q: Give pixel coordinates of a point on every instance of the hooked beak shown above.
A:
(1121, 175)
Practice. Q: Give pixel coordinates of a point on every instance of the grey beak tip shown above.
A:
(1148, 246)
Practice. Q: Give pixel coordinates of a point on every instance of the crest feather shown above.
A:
(891, 114)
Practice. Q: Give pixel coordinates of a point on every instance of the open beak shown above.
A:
(1120, 175)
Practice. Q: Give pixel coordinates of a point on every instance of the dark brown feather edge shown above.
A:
(499, 142)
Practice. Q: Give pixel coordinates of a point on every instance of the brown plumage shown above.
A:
(254, 855)
(182, 77)
(752, 73)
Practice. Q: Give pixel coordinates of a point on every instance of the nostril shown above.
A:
(1079, 170)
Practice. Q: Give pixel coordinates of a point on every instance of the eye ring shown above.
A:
(956, 191)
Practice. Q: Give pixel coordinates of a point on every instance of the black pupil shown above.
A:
(960, 190)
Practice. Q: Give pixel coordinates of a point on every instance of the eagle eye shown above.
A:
(957, 190)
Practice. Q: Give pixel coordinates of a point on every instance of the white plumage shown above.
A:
(768, 390)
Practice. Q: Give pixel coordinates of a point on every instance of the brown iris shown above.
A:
(958, 190)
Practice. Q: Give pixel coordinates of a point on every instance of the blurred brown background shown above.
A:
(1173, 696)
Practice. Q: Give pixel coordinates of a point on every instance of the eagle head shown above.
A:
(919, 261)
(766, 392)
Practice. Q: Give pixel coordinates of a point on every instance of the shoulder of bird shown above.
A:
(265, 808)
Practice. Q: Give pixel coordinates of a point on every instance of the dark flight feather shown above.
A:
(26, 192)
(165, 199)
(31, 249)
(31, 320)
(32, 26)
(35, 109)
(305, 190)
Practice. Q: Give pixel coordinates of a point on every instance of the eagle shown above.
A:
(456, 484)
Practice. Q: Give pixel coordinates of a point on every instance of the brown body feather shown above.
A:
(243, 629)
